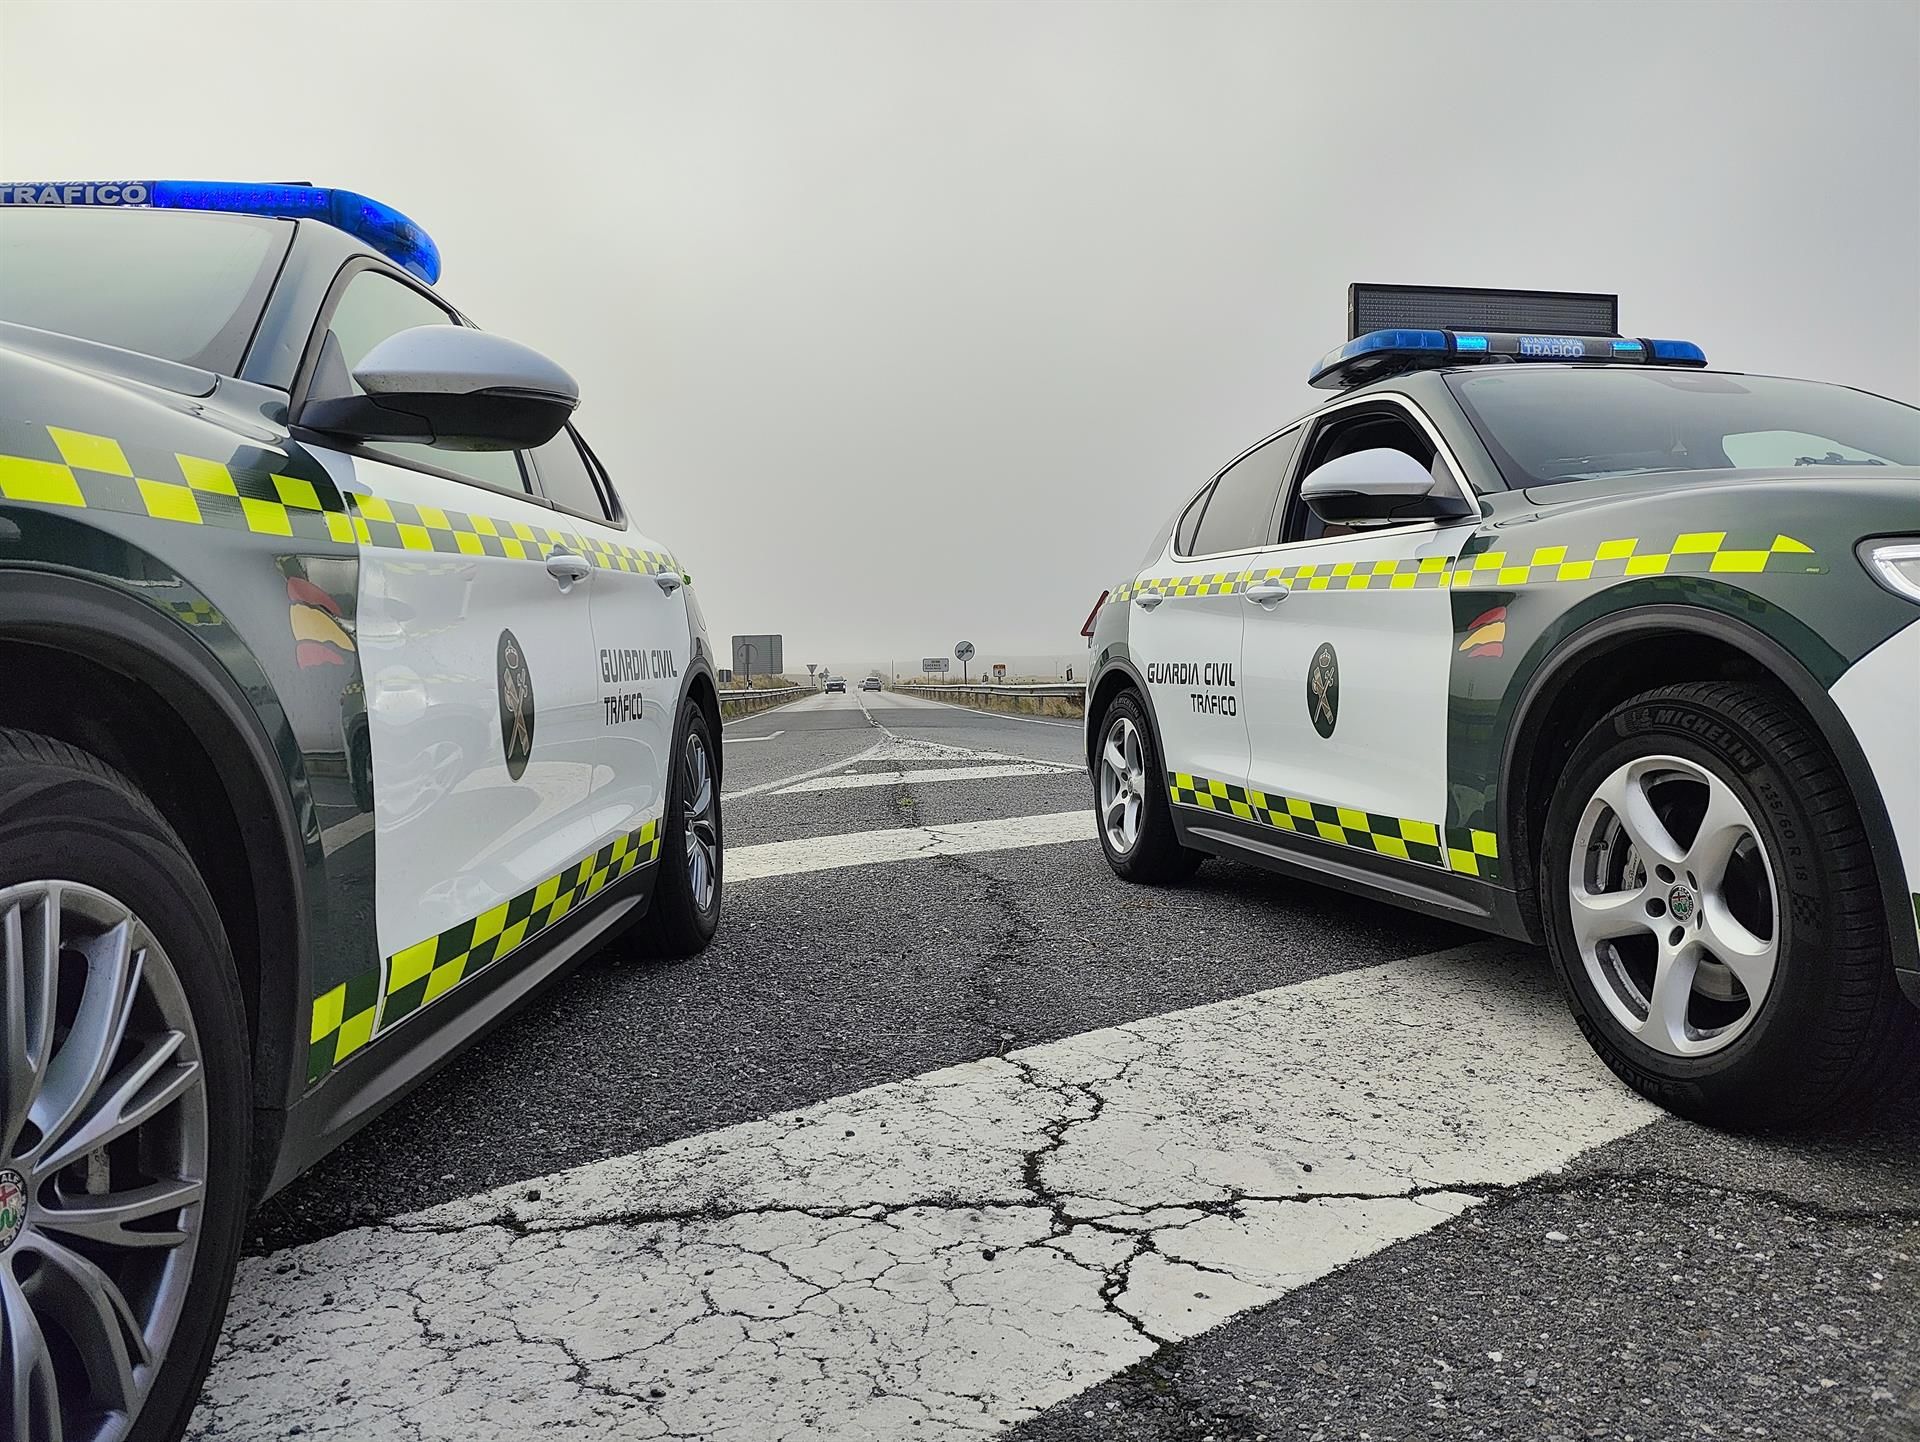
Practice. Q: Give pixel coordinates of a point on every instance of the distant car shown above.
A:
(872, 683)
(1566, 637)
(293, 561)
(836, 683)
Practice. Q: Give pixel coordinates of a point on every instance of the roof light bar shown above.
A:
(1383, 353)
(380, 226)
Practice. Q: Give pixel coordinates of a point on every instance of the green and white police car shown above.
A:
(343, 703)
(1558, 633)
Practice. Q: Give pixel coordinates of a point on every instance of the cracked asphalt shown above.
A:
(950, 1134)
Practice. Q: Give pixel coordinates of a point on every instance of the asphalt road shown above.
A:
(951, 1134)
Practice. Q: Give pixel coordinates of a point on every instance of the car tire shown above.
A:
(1132, 814)
(83, 850)
(687, 892)
(1804, 1018)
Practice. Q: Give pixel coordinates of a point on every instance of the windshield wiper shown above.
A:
(1834, 458)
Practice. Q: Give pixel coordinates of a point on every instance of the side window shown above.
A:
(566, 478)
(1238, 516)
(372, 307)
(1190, 522)
(1363, 428)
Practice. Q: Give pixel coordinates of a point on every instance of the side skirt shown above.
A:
(1427, 889)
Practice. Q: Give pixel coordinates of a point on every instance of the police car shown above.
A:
(1558, 633)
(344, 705)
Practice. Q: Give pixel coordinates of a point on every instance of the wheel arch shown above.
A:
(1580, 682)
(1118, 675)
(103, 672)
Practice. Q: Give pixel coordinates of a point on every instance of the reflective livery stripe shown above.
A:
(81, 471)
(348, 1016)
(1691, 553)
(1416, 841)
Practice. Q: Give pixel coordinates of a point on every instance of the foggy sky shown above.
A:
(905, 322)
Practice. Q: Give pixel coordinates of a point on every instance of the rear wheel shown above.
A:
(686, 895)
(124, 1107)
(1714, 913)
(1131, 809)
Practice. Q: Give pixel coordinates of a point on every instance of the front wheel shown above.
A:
(1131, 809)
(1713, 910)
(124, 1107)
(686, 895)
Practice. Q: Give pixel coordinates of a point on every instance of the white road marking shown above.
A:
(938, 1257)
(986, 771)
(906, 843)
(739, 740)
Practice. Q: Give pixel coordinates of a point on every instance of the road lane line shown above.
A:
(939, 1257)
(924, 777)
(738, 740)
(906, 843)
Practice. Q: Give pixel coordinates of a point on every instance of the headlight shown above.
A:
(1894, 564)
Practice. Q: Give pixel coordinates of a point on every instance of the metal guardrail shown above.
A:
(772, 693)
(1065, 690)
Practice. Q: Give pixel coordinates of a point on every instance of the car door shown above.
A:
(1347, 653)
(475, 640)
(640, 635)
(1185, 635)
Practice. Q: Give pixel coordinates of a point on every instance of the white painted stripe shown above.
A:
(739, 740)
(925, 777)
(908, 843)
(938, 1257)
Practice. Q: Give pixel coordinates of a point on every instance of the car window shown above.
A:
(565, 477)
(1546, 426)
(1189, 523)
(1382, 426)
(374, 306)
(185, 286)
(1240, 510)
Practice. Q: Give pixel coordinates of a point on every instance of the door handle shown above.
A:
(1147, 600)
(568, 569)
(1268, 593)
(668, 581)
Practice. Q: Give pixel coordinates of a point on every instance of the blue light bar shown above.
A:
(380, 226)
(1390, 352)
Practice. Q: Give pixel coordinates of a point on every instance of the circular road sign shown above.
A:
(964, 651)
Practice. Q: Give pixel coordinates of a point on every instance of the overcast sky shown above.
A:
(903, 322)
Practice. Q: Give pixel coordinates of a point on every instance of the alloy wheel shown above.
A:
(1123, 785)
(703, 824)
(1674, 906)
(103, 1162)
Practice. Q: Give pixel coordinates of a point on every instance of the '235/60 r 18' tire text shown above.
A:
(124, 1107)
(1713, 911)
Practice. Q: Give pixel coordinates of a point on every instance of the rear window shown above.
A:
(1548, 426)
(186, 287)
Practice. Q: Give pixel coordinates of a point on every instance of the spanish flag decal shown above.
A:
(1485, 637)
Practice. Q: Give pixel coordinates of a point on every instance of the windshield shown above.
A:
(1547, 426)
(186, 287)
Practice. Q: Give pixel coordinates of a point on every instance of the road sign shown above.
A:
(933, 665)
(999, 671)
(963, 652)
(811, 668)
(758, 655)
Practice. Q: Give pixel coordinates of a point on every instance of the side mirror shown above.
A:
(447, 386)
(1377, 488)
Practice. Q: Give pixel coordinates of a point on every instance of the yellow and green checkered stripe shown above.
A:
(76, 470)
(342, 1023)
(1406, 840)
(346, 1017)
(1690, 553)
(429, 969)
(1474, 852)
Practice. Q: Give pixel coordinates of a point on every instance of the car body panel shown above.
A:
(271, 563)
(1760, 561)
